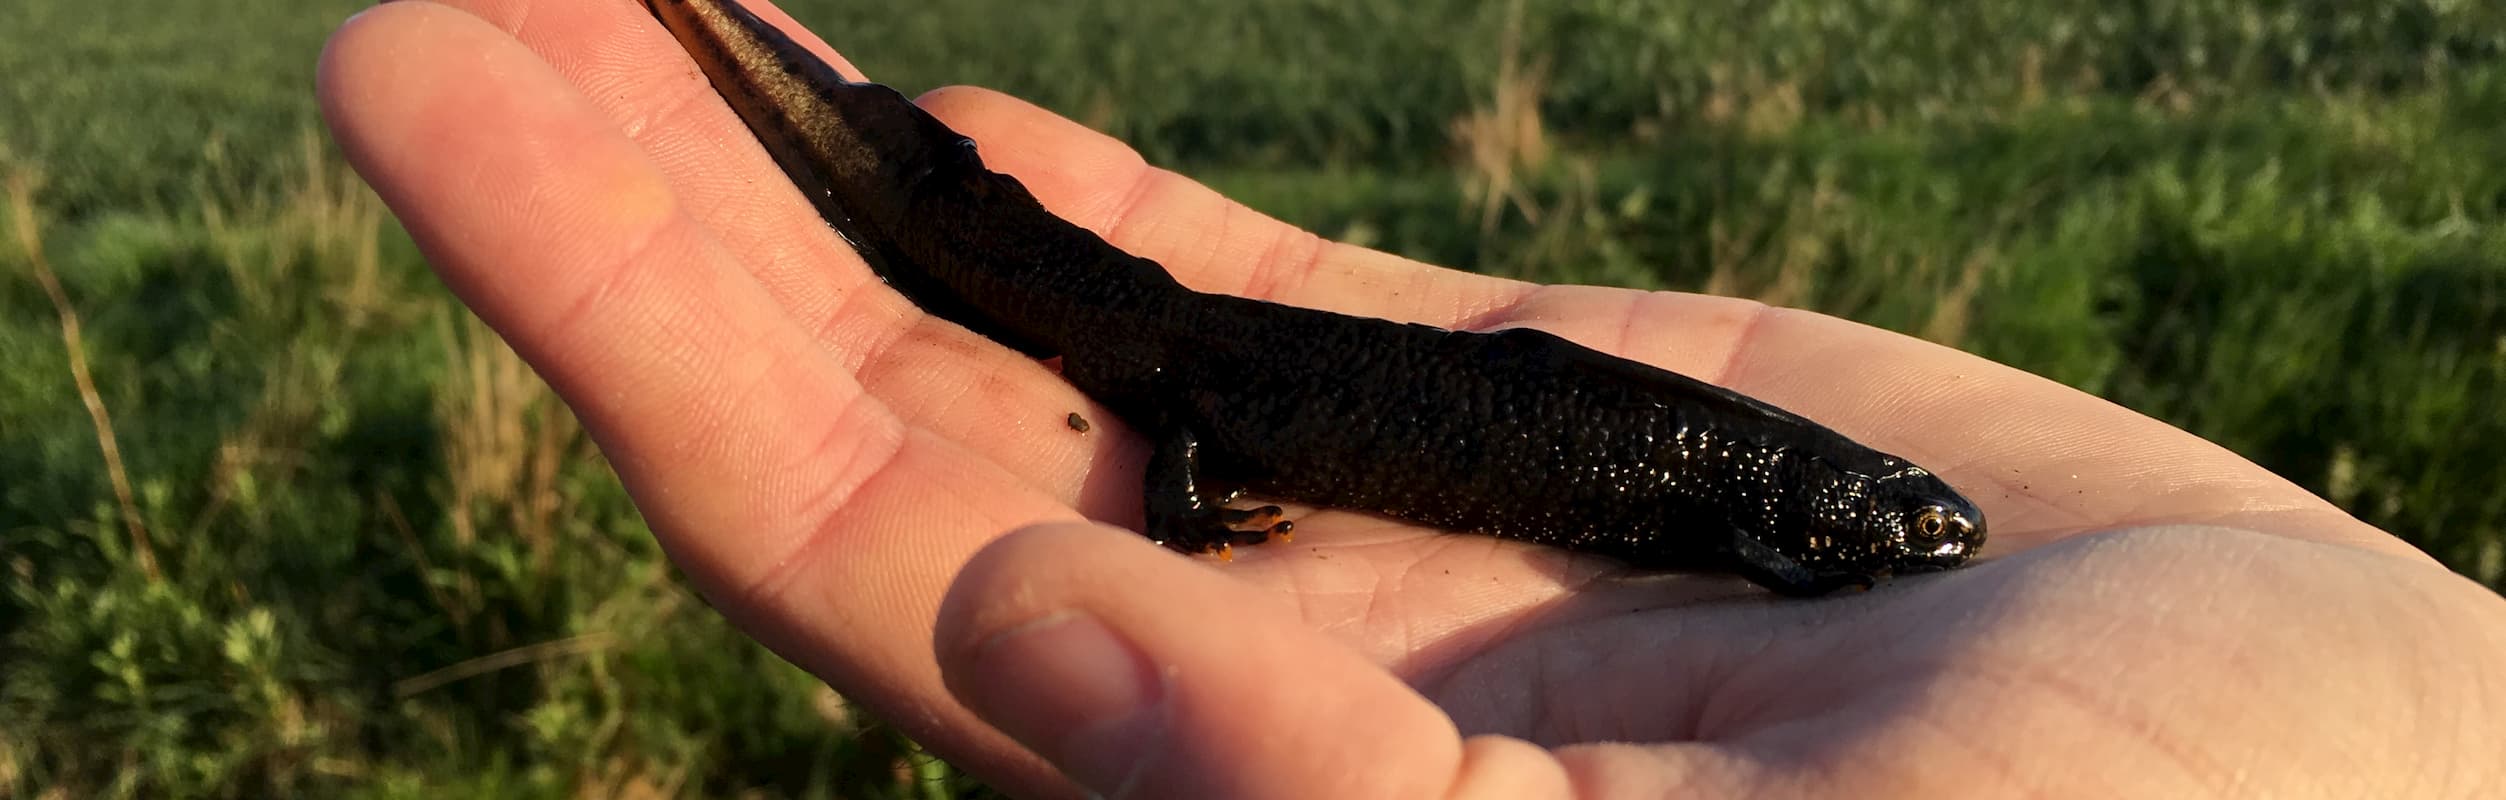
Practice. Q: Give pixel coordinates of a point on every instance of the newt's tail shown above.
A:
(858, 151)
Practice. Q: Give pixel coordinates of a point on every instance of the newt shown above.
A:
(1513, 433)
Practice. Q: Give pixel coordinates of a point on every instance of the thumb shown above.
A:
(1140, 673)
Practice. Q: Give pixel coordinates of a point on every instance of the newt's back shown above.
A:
(1515, 433)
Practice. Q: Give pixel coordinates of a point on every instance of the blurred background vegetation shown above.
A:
(277, 517)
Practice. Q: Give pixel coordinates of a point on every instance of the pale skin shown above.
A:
(899, 506)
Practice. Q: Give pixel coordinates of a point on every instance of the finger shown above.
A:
(613, 53)
(1207, 241)
(805, 509)
(638, 77)
(2044, 460)
(559, 234)
(2048, 462)
(1141, 674)
(936, 376)
(1215, 244)
(2073, 658)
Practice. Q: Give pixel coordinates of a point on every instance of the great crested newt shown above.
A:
(1513, 433)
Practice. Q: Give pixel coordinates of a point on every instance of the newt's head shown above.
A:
(1852, 528)
(1898, 522)
(1929, 526)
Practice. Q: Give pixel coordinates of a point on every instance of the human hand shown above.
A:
(823, 460)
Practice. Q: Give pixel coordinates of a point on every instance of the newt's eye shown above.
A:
(1939, 535)
(1932, 522)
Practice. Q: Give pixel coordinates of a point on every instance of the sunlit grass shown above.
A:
(376, 552)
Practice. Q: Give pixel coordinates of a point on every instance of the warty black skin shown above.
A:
(1513, 433)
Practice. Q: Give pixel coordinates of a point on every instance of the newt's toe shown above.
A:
(1217, 531)
(1257, 518)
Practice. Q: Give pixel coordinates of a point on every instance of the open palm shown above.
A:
(830, 465)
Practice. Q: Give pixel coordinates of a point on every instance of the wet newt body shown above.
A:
(1513, 433)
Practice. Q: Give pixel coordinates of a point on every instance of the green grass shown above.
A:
(363, 552)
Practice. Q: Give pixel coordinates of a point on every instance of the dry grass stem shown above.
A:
(1506, 138)
(22, 213)
(504, 659)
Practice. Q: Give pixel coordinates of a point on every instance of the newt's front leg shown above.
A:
(1188, 517)
(1766, 567)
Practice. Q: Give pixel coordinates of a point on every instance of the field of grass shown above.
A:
(277, 517)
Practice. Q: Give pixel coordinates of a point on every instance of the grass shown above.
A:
(277, 517)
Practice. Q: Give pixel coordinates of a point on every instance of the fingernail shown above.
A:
(1074, 691)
